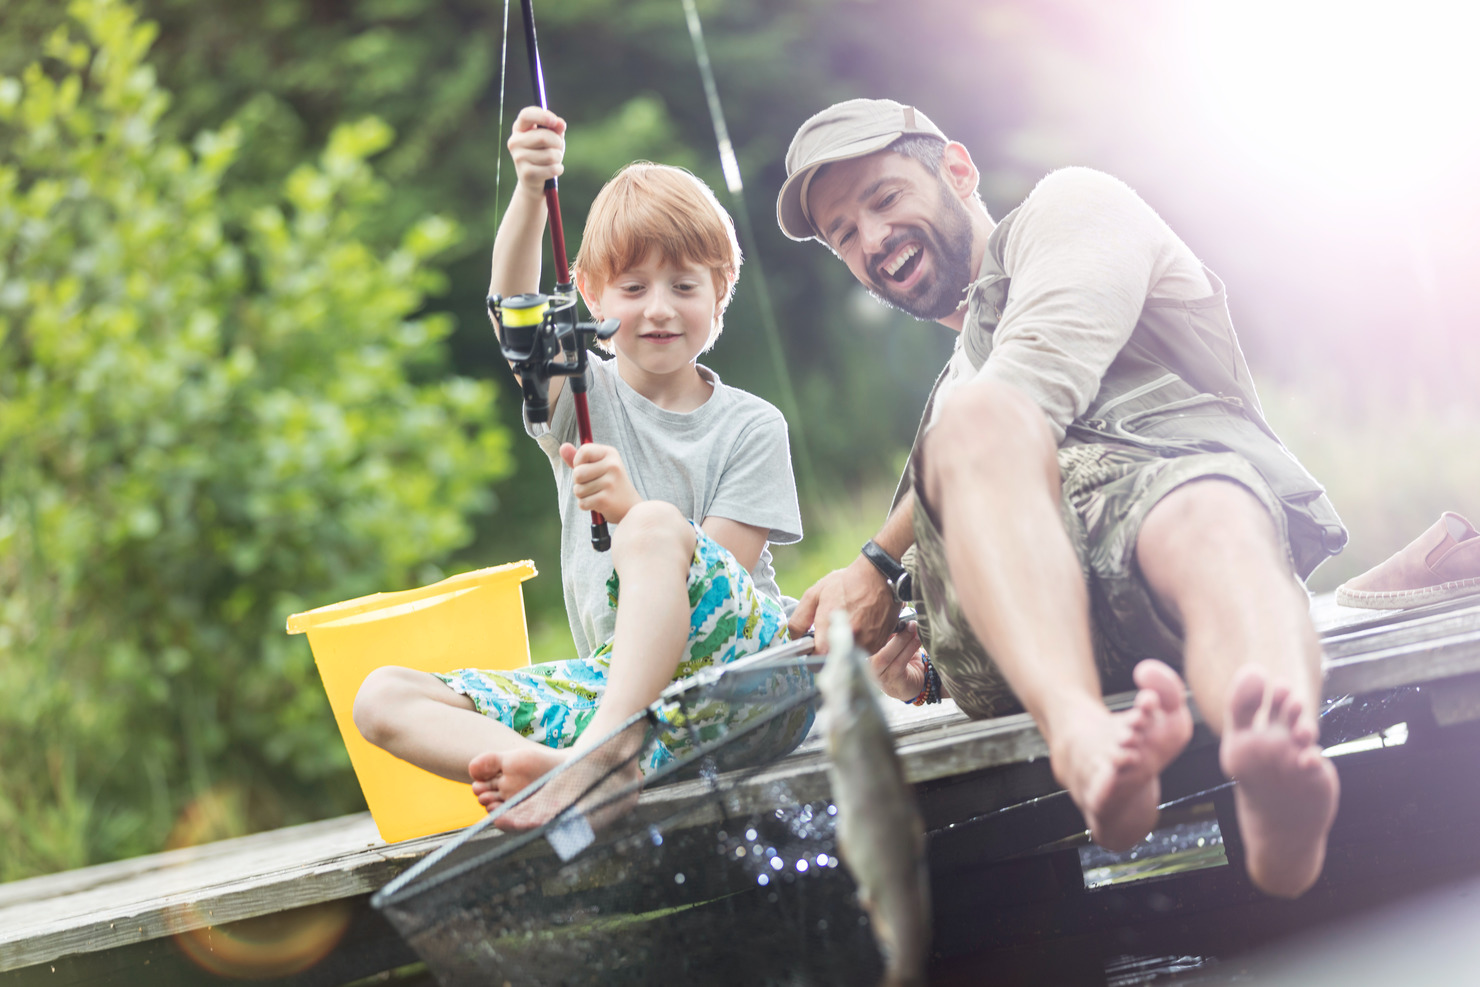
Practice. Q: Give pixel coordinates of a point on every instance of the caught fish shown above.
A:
(881, 836)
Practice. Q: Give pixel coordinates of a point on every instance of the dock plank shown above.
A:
(109, 906)
(128, 902)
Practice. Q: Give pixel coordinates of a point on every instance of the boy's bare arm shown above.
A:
(744, 541)
(859, 589)
(537, 145)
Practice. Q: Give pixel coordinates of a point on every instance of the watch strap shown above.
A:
(890, 568)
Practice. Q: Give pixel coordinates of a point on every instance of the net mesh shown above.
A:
(725, 871)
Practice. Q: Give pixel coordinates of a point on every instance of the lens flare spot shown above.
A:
(278, 944)
(275, 945)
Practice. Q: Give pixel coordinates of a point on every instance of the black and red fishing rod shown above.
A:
(539, 334)
(563, 283)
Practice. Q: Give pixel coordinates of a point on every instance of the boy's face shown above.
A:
(667, 313)
(900, 230)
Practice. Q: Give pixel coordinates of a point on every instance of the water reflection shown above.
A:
(1174, 849)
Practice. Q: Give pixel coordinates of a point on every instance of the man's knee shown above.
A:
(988, 428)
(1211, 518)
(653, 527)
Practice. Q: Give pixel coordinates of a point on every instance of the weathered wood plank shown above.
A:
(1369, 640)
(1331, 618)
(196, 888)
(1414, 663)
(367, 946)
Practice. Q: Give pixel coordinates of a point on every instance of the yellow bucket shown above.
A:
(471, 620)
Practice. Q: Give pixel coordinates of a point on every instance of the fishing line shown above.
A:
(503, 73)
(730, 165)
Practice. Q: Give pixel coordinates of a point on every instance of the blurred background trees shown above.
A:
(245, 370)
(215, 410)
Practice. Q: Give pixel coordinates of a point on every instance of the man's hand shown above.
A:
(860, 591)
(537, 146)
(599, 479)
(899, 666)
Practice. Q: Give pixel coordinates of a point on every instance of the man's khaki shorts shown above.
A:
(1108, 489)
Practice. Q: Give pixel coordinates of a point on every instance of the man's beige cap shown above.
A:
(844, 130)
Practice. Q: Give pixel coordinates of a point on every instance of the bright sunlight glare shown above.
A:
(1362, 94)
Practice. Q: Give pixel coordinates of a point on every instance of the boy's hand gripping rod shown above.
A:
(535, 328)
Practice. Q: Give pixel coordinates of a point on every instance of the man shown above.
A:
(1093, 483)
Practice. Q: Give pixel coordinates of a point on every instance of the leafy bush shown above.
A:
(210, 416)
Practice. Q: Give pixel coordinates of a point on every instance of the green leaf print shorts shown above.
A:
(551, 703)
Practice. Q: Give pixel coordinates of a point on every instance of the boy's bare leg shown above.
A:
(992, 476)
(416, 717)
(651, 551)
(1210, 552)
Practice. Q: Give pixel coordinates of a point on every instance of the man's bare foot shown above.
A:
(1112, 764)
(1287, 790)
(594, 776)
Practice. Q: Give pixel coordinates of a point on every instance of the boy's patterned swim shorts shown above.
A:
(551, 703)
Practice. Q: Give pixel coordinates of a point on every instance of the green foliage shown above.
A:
(212, 415)
(623, 74)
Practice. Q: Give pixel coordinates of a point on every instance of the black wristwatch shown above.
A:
(894, 574)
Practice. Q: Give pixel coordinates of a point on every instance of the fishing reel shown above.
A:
(541, 338)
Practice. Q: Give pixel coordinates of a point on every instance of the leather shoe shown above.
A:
(1441, 564)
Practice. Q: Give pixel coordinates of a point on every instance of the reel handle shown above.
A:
(601, 538)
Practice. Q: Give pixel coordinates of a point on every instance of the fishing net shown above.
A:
(725, 871)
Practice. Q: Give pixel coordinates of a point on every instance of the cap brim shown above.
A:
(791, 212)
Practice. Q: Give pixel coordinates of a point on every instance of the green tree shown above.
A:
(215, 409)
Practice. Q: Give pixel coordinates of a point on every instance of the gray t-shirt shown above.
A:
(727, 458)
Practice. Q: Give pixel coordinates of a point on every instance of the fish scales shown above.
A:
(881, 836)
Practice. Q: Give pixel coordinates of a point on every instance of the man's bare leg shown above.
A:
(651, 552)
(1211, 554)
(992, 477)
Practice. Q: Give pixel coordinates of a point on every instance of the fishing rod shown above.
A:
(730, 167)
(539, 334)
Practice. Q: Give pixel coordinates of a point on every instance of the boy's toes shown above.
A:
(485, 768)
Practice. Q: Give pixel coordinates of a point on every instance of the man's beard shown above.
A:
(948, 245)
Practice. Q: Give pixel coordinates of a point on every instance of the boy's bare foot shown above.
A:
(500, 775)
(1287, 790)
(593, 777)
(1112, 764)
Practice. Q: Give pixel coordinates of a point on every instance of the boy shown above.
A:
(696, 481)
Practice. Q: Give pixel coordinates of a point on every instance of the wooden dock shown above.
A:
(206, 914)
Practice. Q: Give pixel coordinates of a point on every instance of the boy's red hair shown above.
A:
(647, 207)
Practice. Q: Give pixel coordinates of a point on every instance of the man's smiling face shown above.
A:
(901, 230)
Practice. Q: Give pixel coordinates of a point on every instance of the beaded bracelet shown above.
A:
(931, 692)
